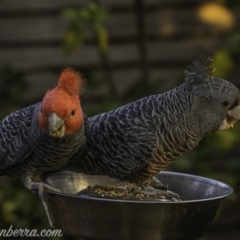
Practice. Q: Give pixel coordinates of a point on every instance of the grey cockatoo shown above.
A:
(42, 137)
(136, 141)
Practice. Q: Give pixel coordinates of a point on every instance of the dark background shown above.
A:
(125, 49)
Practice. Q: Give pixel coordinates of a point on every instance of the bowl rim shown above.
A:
(90, 198)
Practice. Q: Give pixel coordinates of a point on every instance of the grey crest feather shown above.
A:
(197, 72)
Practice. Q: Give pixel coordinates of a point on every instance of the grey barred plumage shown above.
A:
(136, 141)
(14, 144)
(31, 149)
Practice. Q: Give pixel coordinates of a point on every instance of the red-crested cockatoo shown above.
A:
(42, 137)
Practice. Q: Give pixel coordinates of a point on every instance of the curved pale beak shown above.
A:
(56, 126)
(233, 116)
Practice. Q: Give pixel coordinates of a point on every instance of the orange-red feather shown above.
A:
(62, 100)
(70, 81)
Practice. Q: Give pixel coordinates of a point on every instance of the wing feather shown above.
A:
(14, 141)
(122, 142)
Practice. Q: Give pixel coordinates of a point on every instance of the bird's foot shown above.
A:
(130, 191)
(155, 183)
(38, 187)
(153, 192)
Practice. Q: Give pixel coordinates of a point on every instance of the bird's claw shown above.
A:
(38, 187)
(158, 193)
(157, 184)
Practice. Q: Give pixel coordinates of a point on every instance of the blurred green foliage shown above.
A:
(223, 63)
(80, 21)
(19, 206)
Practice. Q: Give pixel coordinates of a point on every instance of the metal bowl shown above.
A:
(100, 218)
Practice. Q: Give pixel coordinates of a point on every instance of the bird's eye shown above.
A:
(73, 112)
(225, 103)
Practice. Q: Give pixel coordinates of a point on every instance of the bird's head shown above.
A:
(216, 102)
(60, 112)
